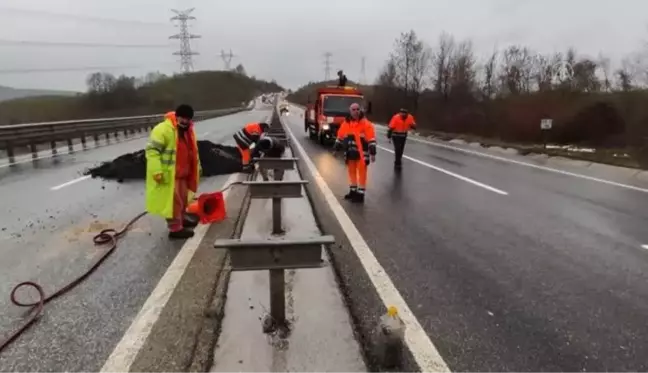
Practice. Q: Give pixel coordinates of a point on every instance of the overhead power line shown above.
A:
(27, 43)
(45, 13)
(71, 69)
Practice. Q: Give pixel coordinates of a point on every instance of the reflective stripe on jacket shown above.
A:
(398, 127)
(358, 137)
(247, 136)
(161, 159)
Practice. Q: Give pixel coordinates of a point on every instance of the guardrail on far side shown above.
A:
(32, 135)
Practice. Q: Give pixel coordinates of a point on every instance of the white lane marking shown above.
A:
(520, 163)
(124, 354)
(644, 247)
(466, 179)
(204, 134)
(425, 353)
(78, 179)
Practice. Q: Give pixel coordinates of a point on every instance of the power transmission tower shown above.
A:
(363, 71)
(227, 59)
(185, 53)
(327, 65)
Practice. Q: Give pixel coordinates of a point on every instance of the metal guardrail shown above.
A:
(275, 253)
(33, 134)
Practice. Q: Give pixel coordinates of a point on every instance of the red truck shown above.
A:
(323, 118)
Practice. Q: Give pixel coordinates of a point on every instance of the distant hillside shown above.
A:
(122, 96)
(9, 93)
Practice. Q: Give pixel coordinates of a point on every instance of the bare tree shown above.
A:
(441, 64)
(411, 59)
(489, 86)
(387, 76)
(517, 71)
(584, 77)
(604, 68)
(462, 70)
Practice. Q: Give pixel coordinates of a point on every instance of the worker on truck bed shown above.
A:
(173, 170)
(248, 135)
(357, 137)
(342, 79)
(399, 126)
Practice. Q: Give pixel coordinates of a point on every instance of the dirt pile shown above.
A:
(215, 159)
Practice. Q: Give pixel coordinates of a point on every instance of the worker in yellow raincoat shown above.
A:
(173, 170)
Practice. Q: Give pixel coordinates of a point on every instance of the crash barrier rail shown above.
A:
(275, 253)
(34, 134)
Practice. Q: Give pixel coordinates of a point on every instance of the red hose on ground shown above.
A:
(106, 236)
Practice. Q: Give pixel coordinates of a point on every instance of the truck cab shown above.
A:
(324, 116)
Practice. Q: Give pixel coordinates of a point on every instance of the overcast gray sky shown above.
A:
(286, 39)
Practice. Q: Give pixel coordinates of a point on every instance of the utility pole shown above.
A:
(363, 72)
(227, 59)
(185, 53)
(327, 65)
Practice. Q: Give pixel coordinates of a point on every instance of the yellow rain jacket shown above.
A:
(161, 158)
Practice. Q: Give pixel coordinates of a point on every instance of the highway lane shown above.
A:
(550, 275)
(46, 236)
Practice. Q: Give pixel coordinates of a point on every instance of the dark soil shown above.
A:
(215, 159)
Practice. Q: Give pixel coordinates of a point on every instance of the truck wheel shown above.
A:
(322, 139)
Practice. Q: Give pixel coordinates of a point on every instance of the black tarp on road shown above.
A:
(215, 159)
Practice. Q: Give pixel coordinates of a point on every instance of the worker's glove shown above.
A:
(158, 178)
(389, 133)
(372, 158)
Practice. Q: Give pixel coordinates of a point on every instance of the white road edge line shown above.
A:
(425, 353)
(125, 352)
(520, 163)
(644, 247)
(463, 178)
(78, 179)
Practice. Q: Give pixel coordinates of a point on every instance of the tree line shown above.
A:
(109, 95)
(507, 94)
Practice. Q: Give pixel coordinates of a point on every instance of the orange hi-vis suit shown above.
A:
(250, 134)
(358, 139)
(398, 129)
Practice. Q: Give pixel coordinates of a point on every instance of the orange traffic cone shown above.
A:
(210, 207)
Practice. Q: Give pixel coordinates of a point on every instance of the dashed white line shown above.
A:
(449, 173)
(526, 164)
(124, 354)
(644, 247)
(423, 350)
(78, 179)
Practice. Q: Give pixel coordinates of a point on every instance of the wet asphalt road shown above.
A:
(549, 277)
(46, 236)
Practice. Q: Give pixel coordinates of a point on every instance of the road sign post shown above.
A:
(545, 126)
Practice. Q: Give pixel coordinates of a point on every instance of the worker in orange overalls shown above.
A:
(399, 126)
(250, 134)
(357, 137)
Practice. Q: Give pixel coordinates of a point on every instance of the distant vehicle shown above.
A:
(283, 109)
(323, 118)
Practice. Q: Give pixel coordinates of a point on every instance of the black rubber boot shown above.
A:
(352, 193)
(181, 234)
(190, 221)
(358, 198)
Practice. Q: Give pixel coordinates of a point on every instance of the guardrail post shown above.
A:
(107, 137)
(34, 151)
(96, 139)
(53, 146)
(10, 153)
(83, 141)
(276, 255)
(70, 146)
